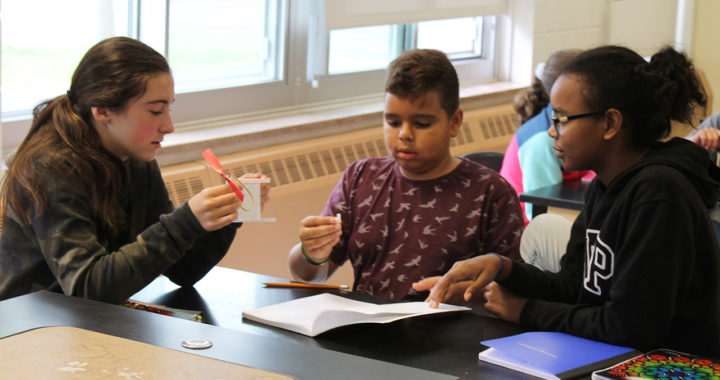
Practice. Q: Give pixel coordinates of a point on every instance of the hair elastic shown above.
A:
(309, 259)
(71, 96)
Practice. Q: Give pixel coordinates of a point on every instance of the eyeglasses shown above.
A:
(557, 120)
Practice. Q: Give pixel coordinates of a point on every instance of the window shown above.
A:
(373, 47)
(459, 38)
(210, 44)
(37, 65)
(223, 43)
(362, 49)
(230, 58)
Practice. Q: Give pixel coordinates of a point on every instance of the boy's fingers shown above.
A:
(320, 231)
(479, 284)
(476, 288)
(318, 221)
(426, 283)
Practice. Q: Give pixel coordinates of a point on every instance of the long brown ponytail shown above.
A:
(62, 138)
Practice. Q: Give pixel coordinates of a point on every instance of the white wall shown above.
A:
(642, 25)
(567, 24)
(706, 50)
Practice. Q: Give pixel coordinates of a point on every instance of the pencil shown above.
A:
(304, 285)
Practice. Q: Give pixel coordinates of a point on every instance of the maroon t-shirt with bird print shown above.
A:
(397, 231)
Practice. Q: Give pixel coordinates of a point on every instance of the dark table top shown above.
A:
(43, 309)
(570, 195)
(429, 347)
(445, 343)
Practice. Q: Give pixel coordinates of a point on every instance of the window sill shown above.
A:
(187, 143)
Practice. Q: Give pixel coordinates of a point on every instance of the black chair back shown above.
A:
(492, 160)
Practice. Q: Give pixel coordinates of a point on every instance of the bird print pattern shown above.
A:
(397, 231)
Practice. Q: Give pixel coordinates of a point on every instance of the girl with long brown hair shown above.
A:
(85, 208)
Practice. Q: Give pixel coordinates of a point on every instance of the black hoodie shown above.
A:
(642, 267)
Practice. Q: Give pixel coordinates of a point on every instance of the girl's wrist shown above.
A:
(504, 266)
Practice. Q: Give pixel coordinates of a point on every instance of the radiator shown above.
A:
(303, 174)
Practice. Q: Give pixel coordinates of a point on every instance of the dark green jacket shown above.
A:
(65, 250)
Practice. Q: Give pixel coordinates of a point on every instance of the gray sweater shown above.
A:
(65, 250)
(712, 121)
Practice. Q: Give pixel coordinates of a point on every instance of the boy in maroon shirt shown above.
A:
(414, 213)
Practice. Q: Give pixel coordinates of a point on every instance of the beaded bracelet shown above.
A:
(309, 259)
(502, 263)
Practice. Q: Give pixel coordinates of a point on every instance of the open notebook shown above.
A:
(319, 313)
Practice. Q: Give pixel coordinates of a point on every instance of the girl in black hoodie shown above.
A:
(642, 267)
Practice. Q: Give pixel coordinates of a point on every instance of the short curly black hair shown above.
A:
(419, 71)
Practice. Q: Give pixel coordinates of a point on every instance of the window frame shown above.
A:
(294, 91)
(370, 82)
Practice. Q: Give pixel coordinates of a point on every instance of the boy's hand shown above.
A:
(215, 207)
(319, 234)
(503, 302)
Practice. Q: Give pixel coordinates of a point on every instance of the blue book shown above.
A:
(552, 355)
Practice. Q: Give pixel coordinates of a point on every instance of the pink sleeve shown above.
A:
(511, 166)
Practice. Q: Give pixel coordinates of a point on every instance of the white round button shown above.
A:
(196, 344)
